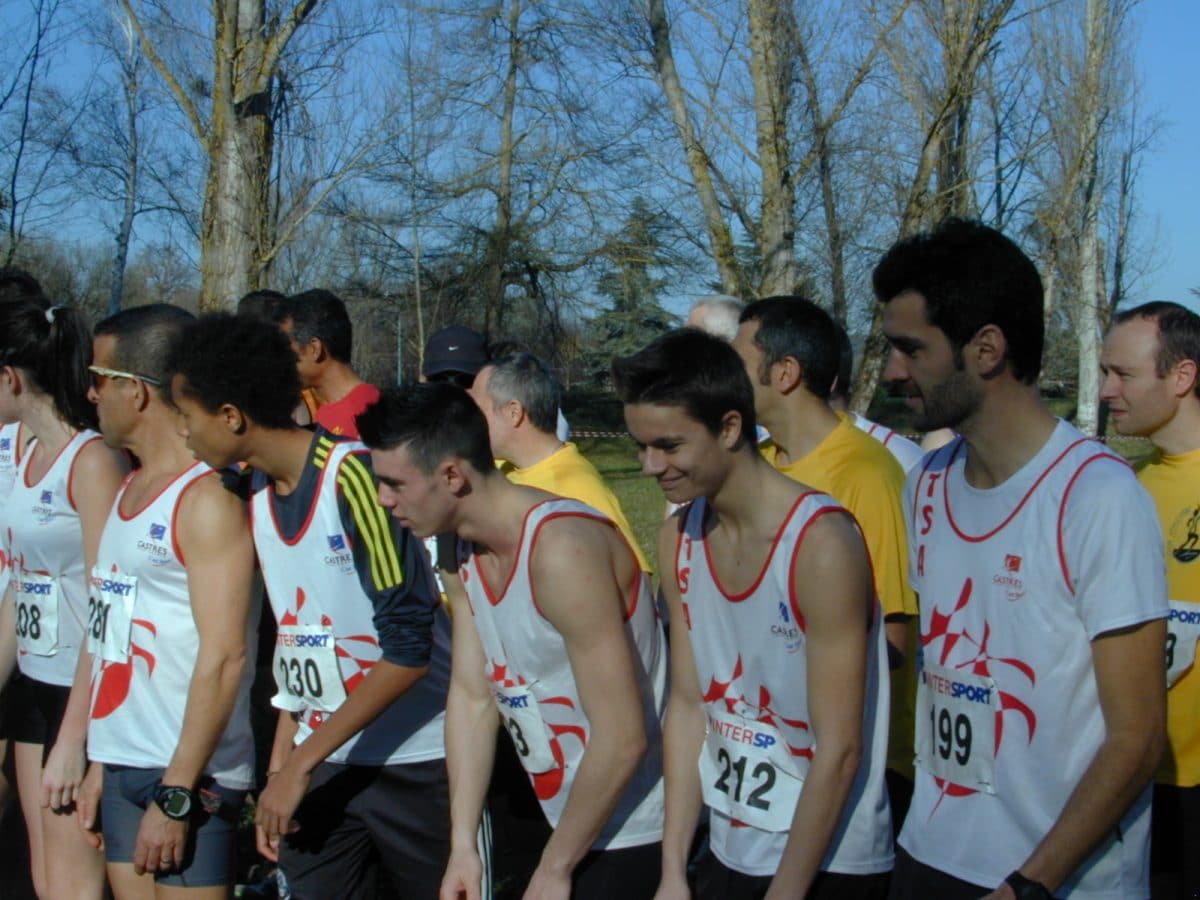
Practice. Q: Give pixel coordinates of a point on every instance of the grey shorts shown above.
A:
(209, 857)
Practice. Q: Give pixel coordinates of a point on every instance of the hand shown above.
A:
(1004, 892)
(160, 842)
(549, 885)
(278, 802)
(62, 775)
(464, 876)
(672, 887)
(267, 847)
(87, 805)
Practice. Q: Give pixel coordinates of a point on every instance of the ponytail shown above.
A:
(52, 345)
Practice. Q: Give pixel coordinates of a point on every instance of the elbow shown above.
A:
(842, 760)
(627, 753)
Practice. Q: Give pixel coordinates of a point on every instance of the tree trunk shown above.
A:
(772, 42)
(129, 207)
(698, 164)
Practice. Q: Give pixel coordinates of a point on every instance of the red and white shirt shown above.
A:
(144, 643)
(750, 652)
(1015, 582)
(536, 693)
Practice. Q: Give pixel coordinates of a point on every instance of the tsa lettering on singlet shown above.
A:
(110, 614)
(956, 726)
(1183, 630)
(520, 715)
(307, 675)
(748, 773)
(35, 600)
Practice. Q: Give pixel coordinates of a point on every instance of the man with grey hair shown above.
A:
(519, 395)
(716, 314)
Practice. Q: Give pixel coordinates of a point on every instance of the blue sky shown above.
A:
(1170, 187)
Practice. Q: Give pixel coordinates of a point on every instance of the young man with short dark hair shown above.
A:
(777, 718)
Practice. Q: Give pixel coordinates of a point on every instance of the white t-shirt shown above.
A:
(751, 650)
(1015, 582)
(907, 453)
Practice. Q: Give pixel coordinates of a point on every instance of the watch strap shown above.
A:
(1027, 888)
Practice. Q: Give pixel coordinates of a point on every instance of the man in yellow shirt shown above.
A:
(791, 350)
(1151, 384)
(519, 395)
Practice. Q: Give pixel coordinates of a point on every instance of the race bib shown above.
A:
(956, 727)
(1183, 630)
(307, 675)
(747, 772)
(36, 601)
(110, 615)
(520, 715)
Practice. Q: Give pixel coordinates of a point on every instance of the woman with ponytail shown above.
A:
(60, 498)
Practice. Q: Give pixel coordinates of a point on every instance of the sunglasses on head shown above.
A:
(99, 372)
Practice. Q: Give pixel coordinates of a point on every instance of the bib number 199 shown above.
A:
(950, 735)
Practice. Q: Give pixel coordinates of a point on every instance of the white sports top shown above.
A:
(1015, 582)
(144, 643)
(49, 584)
(10, 449)
(537, 696)
(907, 453)
(750, 652)
(327, 635)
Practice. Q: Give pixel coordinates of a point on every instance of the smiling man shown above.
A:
(357, 776)
(556, 639)
(1038, 563)
(777, 718)
(1151, 365)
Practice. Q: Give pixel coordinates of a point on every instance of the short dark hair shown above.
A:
(144, 337)
(52, 345)
(532, 383)
(266, 305)
(688, 368)
(1178, 334)
(970, 276)
(433, 421)
(796, 327)
(241, 361)
(17, 284)
(845, 373)
(321, 314)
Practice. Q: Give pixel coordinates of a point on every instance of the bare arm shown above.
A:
(832, 582)
(683, 733)
(1132, 694)
(580, 570)
(471, 724)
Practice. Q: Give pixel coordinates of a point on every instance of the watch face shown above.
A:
(175, 802)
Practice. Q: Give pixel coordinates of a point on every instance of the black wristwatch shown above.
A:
(1027, 888)
(175, 802)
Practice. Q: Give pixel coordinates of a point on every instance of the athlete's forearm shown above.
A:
(212, 694)
(683, 737)
(8, 637)
(75, 716)
(286, 727)
(382, 686)
(608, 763)
(471, 727)
(826, 787)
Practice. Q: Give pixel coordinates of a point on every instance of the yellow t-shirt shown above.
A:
(1174, 483)
(862, 475)
(567, 473)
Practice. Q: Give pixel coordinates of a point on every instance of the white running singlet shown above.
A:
(49, 586)
(907, 453)
(750, 652)
(1015, 582)
(535, 689)
(327, 641)
(144, 644)
(10, 450)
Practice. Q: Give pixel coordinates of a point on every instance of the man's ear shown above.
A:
(731, 429)
(452, 473)
(988, 349)
(233, 418)
(1184, 373)
(787, 374)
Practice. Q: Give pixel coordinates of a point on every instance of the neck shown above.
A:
(155, 441)
(1182, 433)
(42, 419)
(738, 501)
(798, 425)
(1007, 430)
(493, 513)
(532, 447)
(280, 453)
(335, 381)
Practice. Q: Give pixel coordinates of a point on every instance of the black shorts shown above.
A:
(716, 881)
(35, 711)
(354, 817)
(631, 873)
(913, 880)
(1174, 839)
